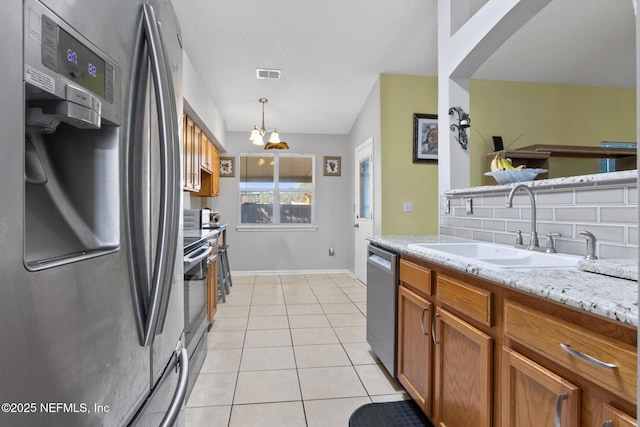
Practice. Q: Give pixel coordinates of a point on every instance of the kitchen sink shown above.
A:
(497, 256)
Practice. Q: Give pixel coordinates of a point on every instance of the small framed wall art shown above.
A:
(227, 167)
(425, 138)
(331, 166)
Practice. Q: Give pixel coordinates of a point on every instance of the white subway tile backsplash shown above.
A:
(463, 233)
(617, 251)
(577, 214)
(602, 195)
(566, 230)
(507, 213)
(606, 208)
(619, 214)
(524, 226)
(632, 195)
(483, 235)
(603, 233)
(555, 198)
(496, 225)
(473, 223)
(482, 212)
(493, 200)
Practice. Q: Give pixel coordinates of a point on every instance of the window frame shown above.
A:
(276, 225)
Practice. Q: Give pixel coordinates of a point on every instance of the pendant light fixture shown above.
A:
(257, 135)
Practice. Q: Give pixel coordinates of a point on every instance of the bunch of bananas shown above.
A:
(500, 163)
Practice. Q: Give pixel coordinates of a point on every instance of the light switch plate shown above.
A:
(469, 205)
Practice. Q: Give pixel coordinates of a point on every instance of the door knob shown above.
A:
(356, 226)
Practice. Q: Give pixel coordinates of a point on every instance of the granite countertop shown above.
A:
(624, 268)
(610, 297)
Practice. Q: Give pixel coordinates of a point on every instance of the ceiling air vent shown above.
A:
(265, 73)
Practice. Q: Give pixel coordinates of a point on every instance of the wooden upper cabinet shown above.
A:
(463, 373)
(534, 396)
(201, 161)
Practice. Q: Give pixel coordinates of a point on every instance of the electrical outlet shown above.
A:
(469, 204)
(447, 206)
(331, 252)
(408, 206)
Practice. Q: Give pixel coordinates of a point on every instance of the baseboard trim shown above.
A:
(289, 272)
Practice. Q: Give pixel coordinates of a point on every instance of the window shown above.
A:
(276, 189)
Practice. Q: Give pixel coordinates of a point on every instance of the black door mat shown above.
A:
(404, 413)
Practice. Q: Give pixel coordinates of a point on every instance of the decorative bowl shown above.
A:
(516, 175)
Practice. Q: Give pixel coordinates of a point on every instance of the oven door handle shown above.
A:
(192, 261)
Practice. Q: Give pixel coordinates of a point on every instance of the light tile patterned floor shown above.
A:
(289, 351)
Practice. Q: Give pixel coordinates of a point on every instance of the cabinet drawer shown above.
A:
(467, 299)
(415, 275)
(545, 334)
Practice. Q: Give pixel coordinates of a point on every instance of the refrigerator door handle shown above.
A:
(148, 301)
(167, 229)
(173, 203)
(181, 390)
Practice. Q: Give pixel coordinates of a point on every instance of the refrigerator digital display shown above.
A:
(78, 63)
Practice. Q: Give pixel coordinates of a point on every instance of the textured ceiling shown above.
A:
(332, 51)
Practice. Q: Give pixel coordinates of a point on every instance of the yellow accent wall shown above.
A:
(402, 180)
(548, 114)
(544, 113)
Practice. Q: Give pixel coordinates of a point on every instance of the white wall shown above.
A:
(366, 126)
(293, 251)
(199, 105)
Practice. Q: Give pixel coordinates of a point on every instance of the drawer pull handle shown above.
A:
(433, 329)
(607, 423)
(561, 398)
(586, 358)
(424, 310)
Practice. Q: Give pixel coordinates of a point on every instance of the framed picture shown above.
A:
(227, 167)
(425, 138)
(331, 166)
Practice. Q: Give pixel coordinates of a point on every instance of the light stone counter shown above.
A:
(625, 268)
(555, 183)
(610, 297)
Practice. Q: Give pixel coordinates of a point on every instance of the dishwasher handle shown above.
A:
(383, 260)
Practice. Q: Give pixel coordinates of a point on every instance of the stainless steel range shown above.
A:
(198, 251)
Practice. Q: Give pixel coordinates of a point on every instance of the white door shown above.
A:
(363, 205)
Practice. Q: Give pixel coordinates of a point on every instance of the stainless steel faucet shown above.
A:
(533, 241)
(591, 244)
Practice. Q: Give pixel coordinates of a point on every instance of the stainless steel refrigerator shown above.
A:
(91, 302)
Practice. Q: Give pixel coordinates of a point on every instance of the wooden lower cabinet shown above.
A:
(474, 353)
(414, 346)
(463, 395)
(534, 396)
(613, 417)
(212, 288)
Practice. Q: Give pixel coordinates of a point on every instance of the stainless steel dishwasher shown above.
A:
(382, 303)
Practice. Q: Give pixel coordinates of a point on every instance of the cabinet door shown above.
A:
(612, 417)
(196, 155)
(215, 171)
(212, 289)
(205, 153)
(535, 396)
(414, 346)
(187, 165)
(463, 373)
